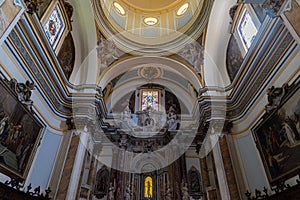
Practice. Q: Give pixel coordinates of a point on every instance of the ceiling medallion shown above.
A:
(150, 73)
(119, 9)
(150, 21)
(182, 9)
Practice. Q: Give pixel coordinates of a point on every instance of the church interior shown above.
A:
(149, 100)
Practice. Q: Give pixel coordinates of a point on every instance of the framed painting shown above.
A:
(20, 130)
(277, 135)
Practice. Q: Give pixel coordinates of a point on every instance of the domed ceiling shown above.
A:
(164, 35)
(153, 5)
(145, 27)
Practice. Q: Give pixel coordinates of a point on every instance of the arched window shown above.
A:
(148, 187)
(150, 98)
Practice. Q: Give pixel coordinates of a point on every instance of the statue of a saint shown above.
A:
(111, 192)
(184, 190)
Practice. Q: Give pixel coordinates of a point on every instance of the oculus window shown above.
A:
(119, 9)
(182, 9)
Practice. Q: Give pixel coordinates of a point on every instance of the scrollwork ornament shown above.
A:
(32, 5)
(23, 91)
(275, 96)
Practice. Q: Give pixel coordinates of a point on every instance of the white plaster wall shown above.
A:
(9, 66)
(251, 163)
(217, 37)
(41, 170)
(85, 40)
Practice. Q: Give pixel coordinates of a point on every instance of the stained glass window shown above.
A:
(54, 26)
(247, 30)
(148, 187)
(150, 98)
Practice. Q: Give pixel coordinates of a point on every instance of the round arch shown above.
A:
(119, 68)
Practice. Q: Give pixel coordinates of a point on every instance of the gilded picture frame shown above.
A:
(277, 135)
(20, 130)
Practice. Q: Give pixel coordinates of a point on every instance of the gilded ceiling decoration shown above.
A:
(151, 27)
(153, 5)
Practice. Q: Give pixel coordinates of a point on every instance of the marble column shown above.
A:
(92, 173)
(205, 177)
(227, 163)
(77, 167)
(121, 174)
(73, 166)
(221, 172)
(176, 176)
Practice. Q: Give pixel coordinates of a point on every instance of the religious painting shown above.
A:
(10, 12)
(20, 131)
(234, 58)
(278, 134)
(66, 56)
(194, 183)
(102, 183)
